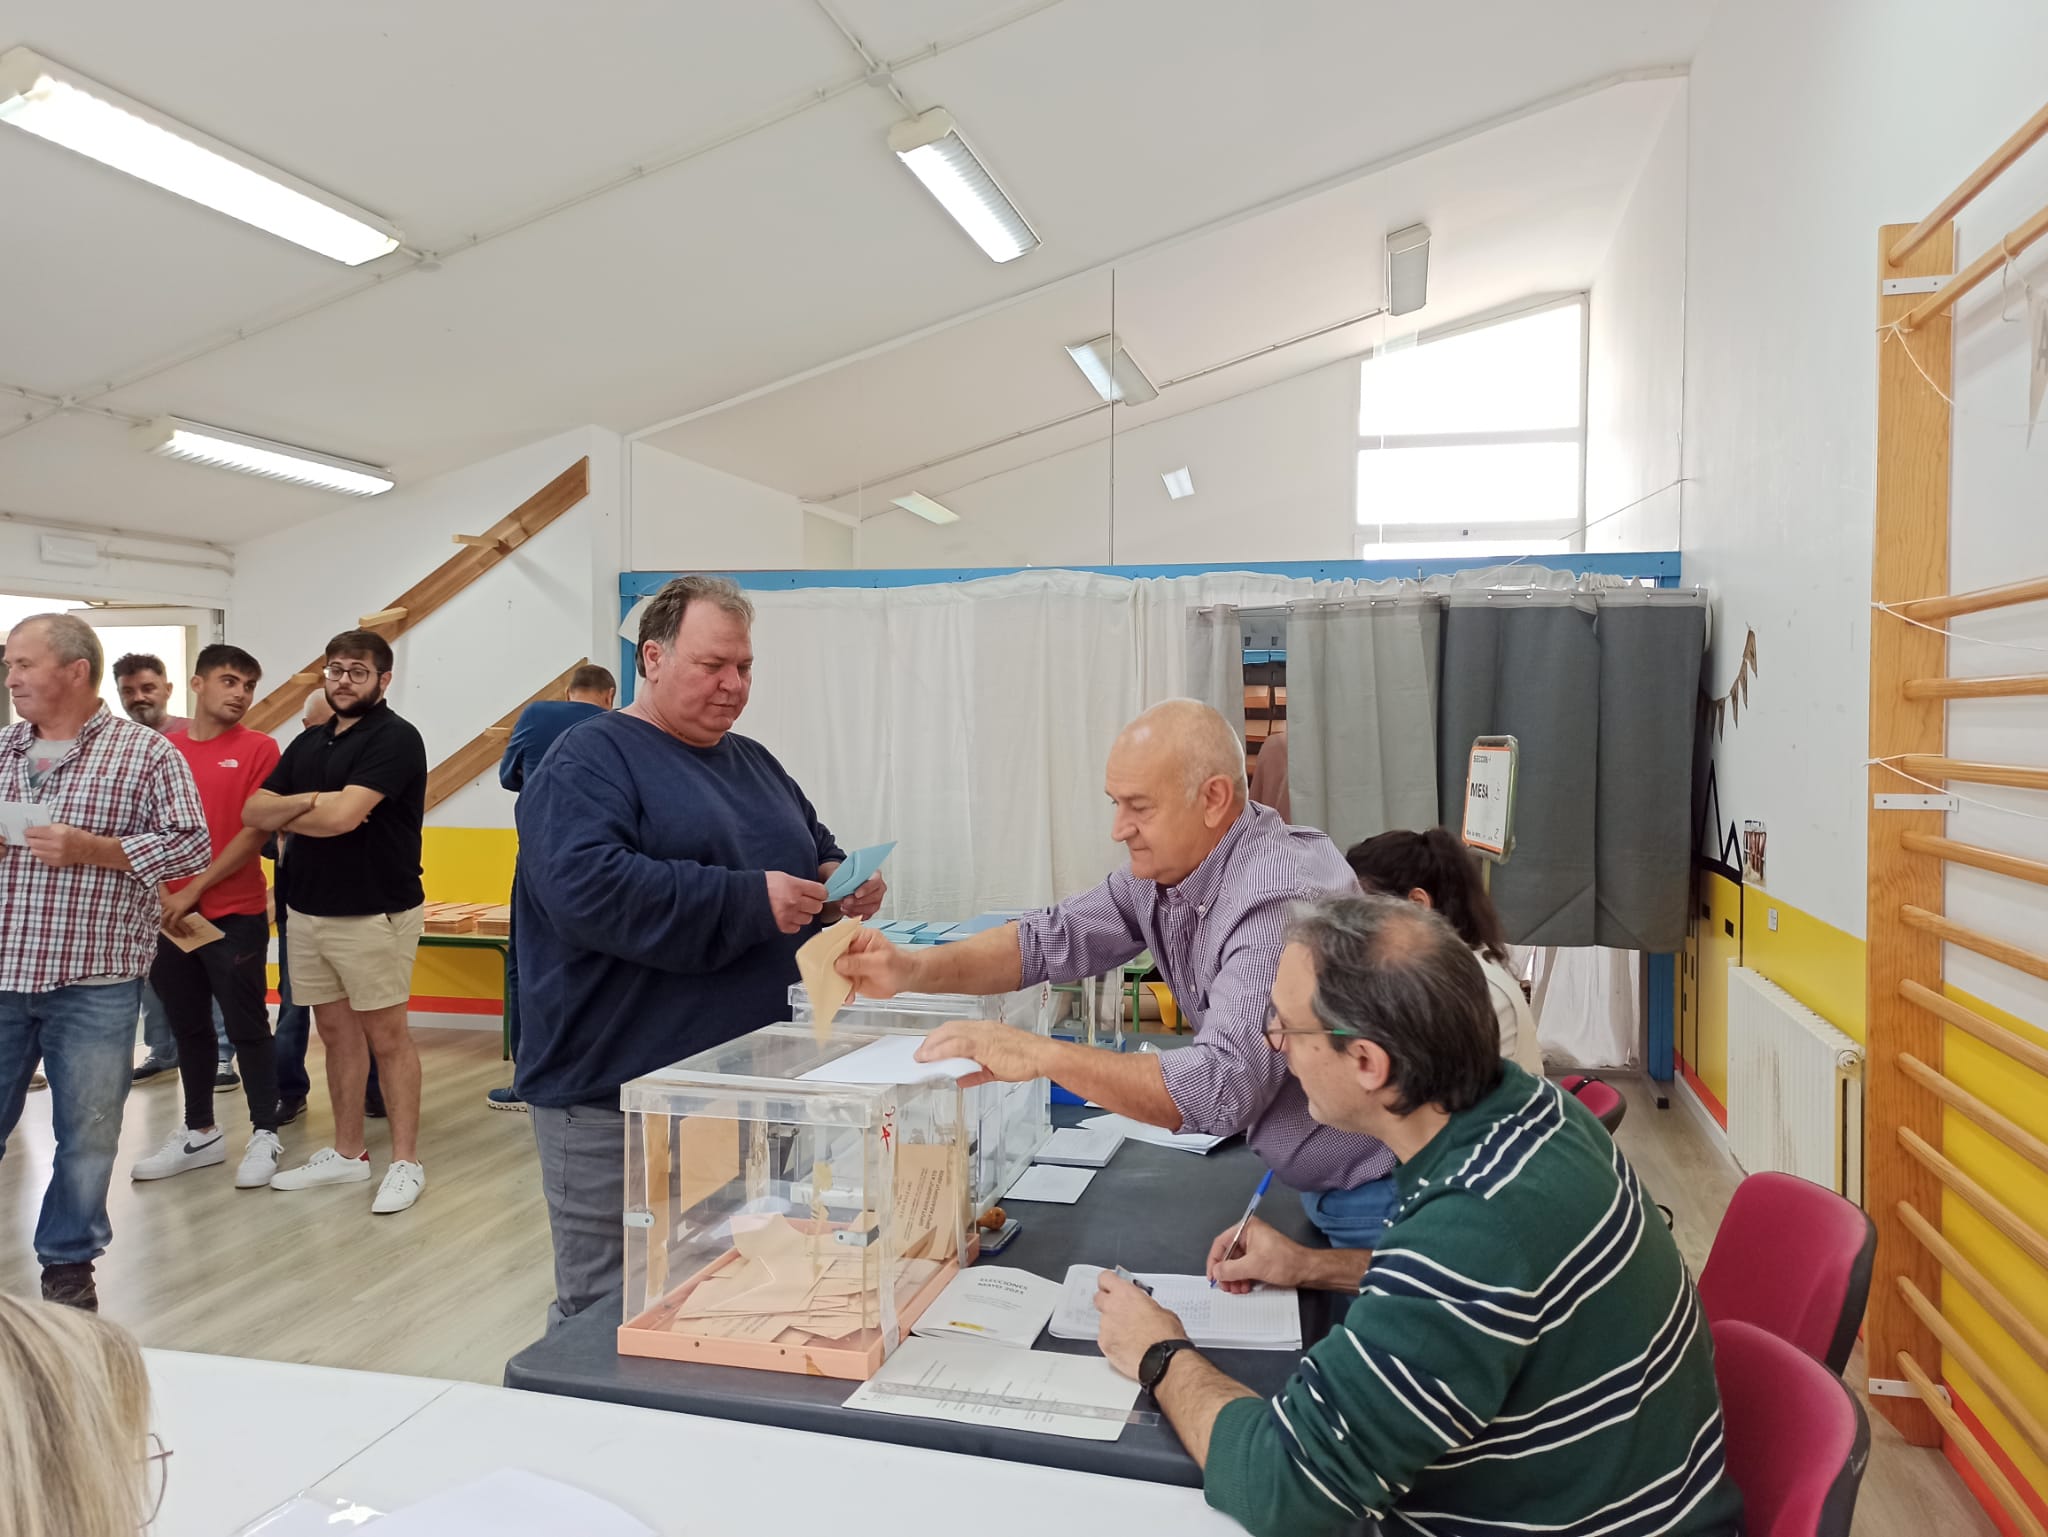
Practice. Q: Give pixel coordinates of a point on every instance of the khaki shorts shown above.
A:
(367, 961)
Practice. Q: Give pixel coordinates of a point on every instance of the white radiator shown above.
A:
(1795, 1088)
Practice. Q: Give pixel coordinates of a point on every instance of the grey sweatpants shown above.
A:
(583, 1176)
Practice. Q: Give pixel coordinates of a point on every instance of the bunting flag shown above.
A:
(1726, 709)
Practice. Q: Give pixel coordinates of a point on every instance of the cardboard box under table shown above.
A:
(782, 1223)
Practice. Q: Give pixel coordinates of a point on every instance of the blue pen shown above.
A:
(1237, 1238)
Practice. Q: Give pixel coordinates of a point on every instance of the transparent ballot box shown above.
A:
(790, 1224)
(1006, 1122)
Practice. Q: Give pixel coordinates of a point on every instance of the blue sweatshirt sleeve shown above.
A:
(577, 827)
(512, 767)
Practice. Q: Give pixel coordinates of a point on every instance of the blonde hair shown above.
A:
(74, 1424)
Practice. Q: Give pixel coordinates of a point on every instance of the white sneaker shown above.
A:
(326, 1167)
(259, 1162)
(402, 1185)
(182, 1150)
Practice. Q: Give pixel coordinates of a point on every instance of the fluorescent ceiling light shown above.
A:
(930, 144)
(1407, 269)
(1179, 483)
(176, 438)
(63, 106)
(926, 508)
(1113, 372)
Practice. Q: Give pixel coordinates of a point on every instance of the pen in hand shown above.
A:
(1237, 1238)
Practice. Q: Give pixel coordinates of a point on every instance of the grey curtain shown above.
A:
(1362, 713)
(1599, 691)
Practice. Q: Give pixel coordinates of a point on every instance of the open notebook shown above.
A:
(1267, 1319)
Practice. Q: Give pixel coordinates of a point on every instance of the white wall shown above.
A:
(1635, 360)
(686, 516)
(554, 599)
(129, 569)
(1811, 126)
(827, 543)
(1275, 475)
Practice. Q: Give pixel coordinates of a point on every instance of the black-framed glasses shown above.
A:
(1275, 1031)
(334, 672)
(157, 1469)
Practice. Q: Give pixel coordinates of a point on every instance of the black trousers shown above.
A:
(230, 970)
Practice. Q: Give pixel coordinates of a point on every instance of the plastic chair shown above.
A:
(1795, 1437)
(1793, 1258)
(1603, 1099)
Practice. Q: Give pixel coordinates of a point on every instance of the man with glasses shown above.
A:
(1526, 1352)
(352, 796)
(1210, 879)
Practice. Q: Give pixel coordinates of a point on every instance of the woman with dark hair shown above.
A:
(1433, 869)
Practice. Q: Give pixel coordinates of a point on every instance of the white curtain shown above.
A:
(1361, 714)
(1216, 662)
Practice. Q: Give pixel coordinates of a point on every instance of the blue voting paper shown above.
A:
(854, 873)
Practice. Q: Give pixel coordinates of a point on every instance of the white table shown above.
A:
(247, 1435)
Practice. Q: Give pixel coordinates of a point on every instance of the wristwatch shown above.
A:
(1152, 1365)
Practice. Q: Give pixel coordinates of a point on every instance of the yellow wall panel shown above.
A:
(469, 864)
(1815, 962)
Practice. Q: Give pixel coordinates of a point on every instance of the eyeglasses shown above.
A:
(157, 1469)
(334, 672)
(1275, 1030)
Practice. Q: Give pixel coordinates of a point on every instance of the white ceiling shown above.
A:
(685, 200)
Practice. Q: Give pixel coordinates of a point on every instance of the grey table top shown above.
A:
(1152, 1209)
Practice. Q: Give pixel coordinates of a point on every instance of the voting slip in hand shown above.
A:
(194, 932)
(855, 870)
(817, 963)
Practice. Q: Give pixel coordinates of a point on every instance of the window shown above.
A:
(1474, 442)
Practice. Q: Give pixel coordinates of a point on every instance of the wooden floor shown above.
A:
(459, 1283)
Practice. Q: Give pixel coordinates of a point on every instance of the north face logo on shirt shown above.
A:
(230, 763)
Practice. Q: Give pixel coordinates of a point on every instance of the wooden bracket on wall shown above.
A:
(439, 585)
(488, 745)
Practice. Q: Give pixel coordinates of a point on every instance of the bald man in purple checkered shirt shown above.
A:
(1211, 878)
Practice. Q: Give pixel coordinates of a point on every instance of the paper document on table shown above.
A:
(970, 1383)
(1158, 1136)
(993, 1304)
(890, 1059)
(1078, 1147)
(512, 1503)
(1049, 1182)
(17, 817)
(1266, 1319)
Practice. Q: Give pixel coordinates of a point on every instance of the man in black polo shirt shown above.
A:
(352, 794)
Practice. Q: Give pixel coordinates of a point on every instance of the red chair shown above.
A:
(1603, 1099)
(1792, 1257)
(1796, 1439)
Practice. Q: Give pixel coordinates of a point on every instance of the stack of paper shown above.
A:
(1158, 1136)
(890, 1059)
(991, 1303)
(969, 1383)
(1049, 1182)
(788, 1287)
(1080, 1147)
(1266, 1319)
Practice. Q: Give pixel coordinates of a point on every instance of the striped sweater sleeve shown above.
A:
(1421, 1364)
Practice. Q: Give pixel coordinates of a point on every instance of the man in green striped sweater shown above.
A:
(1527, 1353)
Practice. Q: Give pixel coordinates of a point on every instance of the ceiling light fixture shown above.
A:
(1407, 269)
(1179, 483)
(175, 438)
(59, 104)
(926, 508)
(931, 146)
(1113, 372)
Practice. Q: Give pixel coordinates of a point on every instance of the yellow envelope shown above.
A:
(815, 962)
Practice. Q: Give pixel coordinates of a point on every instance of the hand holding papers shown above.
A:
(17, 817)
(854, 871)
(816, 963)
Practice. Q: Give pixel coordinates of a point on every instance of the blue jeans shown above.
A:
(85, 1037)
(156, 1029)
(1353, 1219)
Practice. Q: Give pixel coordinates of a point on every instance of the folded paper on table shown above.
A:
(1158, 1136)
(1080, 1147)
(1050, 1182)
(967, 1382)
(889, 1059)
(1266, 1319)
(993, 1304)
(817, 964)
(854, 871)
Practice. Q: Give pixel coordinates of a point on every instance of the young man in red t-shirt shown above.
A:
(229, 763)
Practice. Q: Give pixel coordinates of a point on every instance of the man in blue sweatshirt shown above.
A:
(592, 691)
(668, 871)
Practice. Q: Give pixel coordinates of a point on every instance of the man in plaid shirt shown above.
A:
(104, 811)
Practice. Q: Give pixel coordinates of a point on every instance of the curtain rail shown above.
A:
(1970, 1022)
